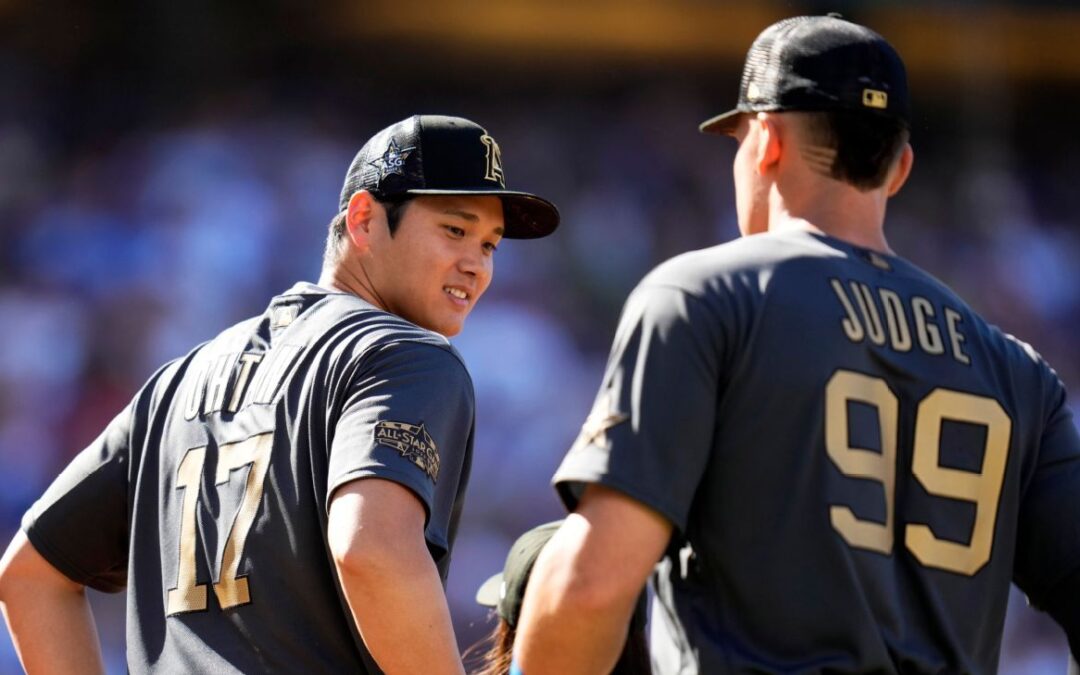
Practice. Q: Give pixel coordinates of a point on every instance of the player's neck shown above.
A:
(350, 279)
(836, 210)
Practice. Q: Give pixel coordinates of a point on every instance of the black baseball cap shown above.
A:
(441, 155)
(505, 590)
(819, 63)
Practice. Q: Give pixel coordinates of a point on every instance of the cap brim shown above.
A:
(526, 215)
(488, 594)
(722, 124)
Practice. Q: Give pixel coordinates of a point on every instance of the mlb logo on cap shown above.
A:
(818, 63)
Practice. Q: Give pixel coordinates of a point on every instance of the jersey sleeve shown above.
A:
(1048, 538)
(80, 524)
(650, 431)
(408, 418)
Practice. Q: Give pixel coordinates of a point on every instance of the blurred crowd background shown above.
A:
(165, 168)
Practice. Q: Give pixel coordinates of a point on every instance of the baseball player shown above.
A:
(285, 497)
(839, 464)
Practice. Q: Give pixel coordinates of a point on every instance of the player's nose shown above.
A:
(478, 267)
(471, 262)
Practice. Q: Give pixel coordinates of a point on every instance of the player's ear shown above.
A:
(769, 142)
(901, 170)
(358, 218)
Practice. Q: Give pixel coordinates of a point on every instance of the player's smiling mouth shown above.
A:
(456, 292)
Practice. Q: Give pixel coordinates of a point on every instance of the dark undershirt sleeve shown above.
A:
(408, 419)
(650, 432)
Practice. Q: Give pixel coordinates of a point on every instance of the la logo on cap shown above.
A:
(494, 170)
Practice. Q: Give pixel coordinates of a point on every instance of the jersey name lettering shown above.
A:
(216, 376)
(238, 378)
(883, 317)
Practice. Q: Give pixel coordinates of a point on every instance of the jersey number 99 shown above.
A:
(982, 488)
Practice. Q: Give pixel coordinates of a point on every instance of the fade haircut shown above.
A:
(852, 146)
(395, 210)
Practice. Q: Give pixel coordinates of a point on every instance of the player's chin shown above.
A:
(449, 331)
(449, 324)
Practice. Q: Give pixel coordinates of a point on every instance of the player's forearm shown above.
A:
(53, 631)
(569, 637)
(585, 584)
(399, 605)
(569, 625)
(576, 609)
(48, 615)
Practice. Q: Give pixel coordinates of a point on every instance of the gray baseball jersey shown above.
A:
(208, 496)
(855, 463)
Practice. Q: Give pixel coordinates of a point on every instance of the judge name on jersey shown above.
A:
(884, 318)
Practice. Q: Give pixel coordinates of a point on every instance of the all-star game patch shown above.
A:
(392, 160)
(413, 442)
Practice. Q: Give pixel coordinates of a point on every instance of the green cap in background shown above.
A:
(506, 590)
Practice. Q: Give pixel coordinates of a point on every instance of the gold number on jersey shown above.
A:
(189, 596)
(862, 463)
(982, 488)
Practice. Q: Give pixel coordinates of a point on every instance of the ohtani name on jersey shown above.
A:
(232, 381)
(883, 317)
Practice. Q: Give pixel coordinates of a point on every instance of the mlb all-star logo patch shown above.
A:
(413, 442)
(392, 160)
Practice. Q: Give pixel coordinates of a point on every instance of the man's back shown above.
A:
(840, 464)
(849, 449)
(224, 467)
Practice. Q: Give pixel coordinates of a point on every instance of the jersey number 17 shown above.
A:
(231, 591)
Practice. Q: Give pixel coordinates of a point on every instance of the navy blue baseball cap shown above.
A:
(819, 63)
(441, 155)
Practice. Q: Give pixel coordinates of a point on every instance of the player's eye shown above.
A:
(490, 248)
(454, 231)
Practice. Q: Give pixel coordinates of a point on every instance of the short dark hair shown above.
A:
(866, 145)
(395, 210)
